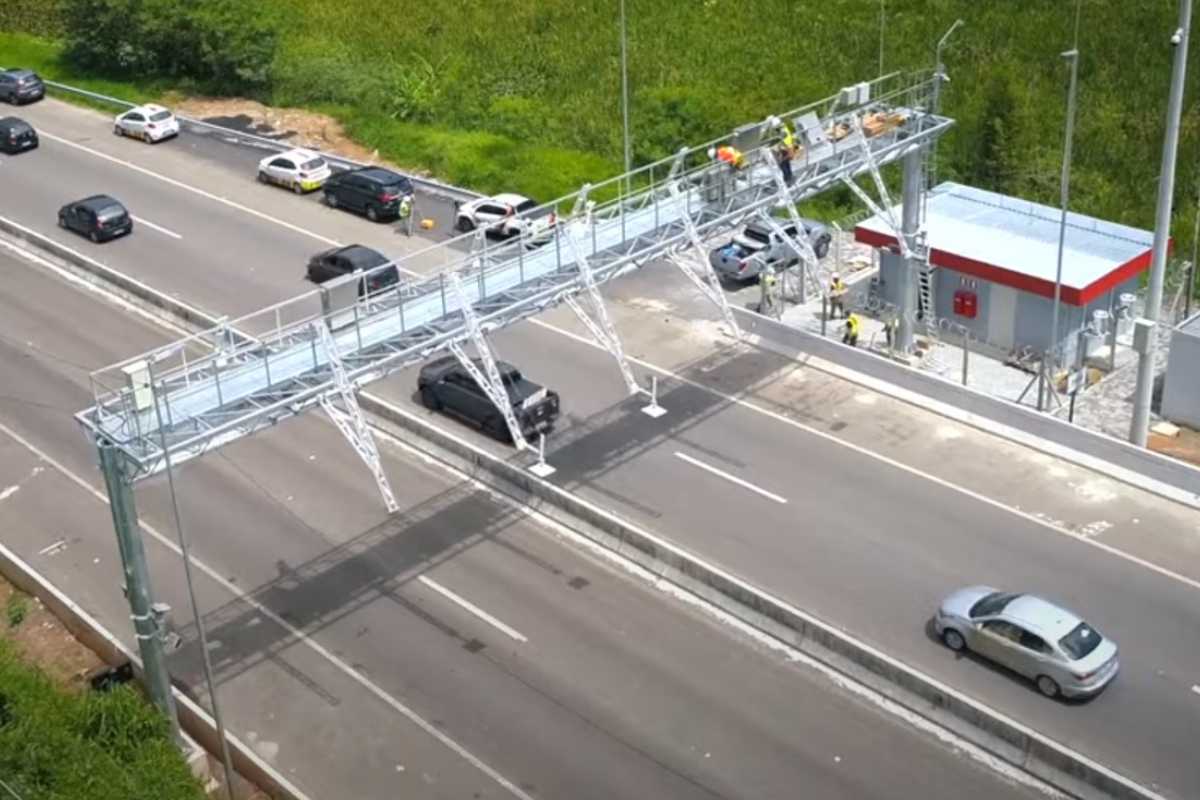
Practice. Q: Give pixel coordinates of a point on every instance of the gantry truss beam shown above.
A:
(274, 365)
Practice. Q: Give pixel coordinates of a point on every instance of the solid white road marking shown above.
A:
(158, 228)
(732, 478)
(10, 491)
(190, 188)
(472, 608)
(293, 632)
(738, 401)
(89, 286)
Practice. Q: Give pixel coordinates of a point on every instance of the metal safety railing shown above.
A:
(252, 372)
(429, 185)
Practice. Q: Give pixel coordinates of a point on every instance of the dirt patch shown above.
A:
(43, 641)
(294, 126)
(1185, 446)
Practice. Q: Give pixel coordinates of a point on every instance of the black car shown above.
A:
(445, 385)
(374, 191)
(339, 261)
(17, 135)
(21, 86)
(98, 217)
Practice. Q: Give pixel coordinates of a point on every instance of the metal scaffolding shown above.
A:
(278, 362)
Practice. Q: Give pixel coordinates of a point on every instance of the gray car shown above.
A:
(1051, 646)
(746, 255)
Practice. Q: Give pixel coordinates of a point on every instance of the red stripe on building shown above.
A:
(1017, 280)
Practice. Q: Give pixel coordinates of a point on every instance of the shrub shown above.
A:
(17, 609)
(225, 46)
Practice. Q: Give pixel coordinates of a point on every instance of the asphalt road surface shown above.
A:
(865, 543)
(335, 628)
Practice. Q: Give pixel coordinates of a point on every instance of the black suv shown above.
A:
(445, 385)
(98, 217)
(374, 191)
(17, 135)
(340, 261)
(21, 86)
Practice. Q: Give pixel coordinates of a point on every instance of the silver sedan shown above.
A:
(1051, 646)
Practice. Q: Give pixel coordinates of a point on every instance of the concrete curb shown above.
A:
(992, 731)
(1143, 469)
(979, 724)
(193, 719)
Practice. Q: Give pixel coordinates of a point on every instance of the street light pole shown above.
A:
(1065, 197)
(1162, 227)
(625, 93)
(882, 19)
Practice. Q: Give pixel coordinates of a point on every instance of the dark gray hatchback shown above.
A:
(21, 86)
(17, 135)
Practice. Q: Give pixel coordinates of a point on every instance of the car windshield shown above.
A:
(528, 205)
(159, 116)
(992, 603)
(1081, 641)
(316, 163)
(756, 235)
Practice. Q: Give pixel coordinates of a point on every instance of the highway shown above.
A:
(864, 543)
(331, 623)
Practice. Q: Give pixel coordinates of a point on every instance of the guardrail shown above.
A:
(428, 185)
(967, 718)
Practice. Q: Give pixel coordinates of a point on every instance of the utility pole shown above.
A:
(882, 20)
(1052, 350)
(625, 93)
(1162, 227)
(137, 582)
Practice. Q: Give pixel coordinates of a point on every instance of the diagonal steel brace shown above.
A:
(349, 417)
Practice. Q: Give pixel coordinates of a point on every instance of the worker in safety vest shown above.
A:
(837, 294)
(768, 304)
(728, 154)
(850, 336)
(406, 213)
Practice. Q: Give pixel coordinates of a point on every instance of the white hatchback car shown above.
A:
(299, 170)
(499, 216)
(150, 122)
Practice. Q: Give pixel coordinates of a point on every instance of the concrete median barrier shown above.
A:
(974, 722)
(994, 732)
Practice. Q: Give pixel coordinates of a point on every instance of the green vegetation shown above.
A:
(60, 746)
(526, 95)
(16, 609)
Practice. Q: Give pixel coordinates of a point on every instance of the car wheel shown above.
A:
(94, 236)
(62, 222)
(1048, 686)
(331, 200)
(464, 225)
(822, 248)
(429, 399)
(297, 188)
(954, 640)
(372, 213)
(117, 131)
(262, 177)
(499, 429)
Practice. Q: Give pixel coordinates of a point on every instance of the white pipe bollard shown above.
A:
(541, 468)
(654, 409)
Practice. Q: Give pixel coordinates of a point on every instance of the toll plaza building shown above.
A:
(992, 264)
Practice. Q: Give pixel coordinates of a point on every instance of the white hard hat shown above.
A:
(712, 152)
(836, 276)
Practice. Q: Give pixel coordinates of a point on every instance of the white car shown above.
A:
(150, 122)
(498, 215)
(299, 170)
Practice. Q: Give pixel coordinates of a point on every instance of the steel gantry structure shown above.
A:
(249, 374)
(178, 401)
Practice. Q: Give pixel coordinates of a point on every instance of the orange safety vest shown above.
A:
(730, 155)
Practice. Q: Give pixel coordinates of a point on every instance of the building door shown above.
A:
(1001, 315)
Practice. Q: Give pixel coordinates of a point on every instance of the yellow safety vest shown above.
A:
(852, 324)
